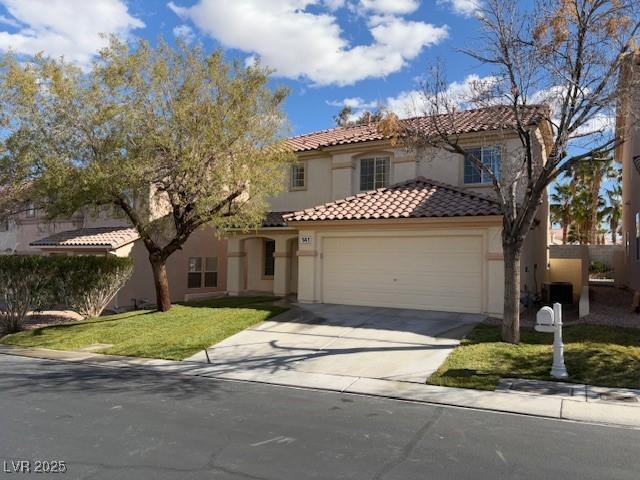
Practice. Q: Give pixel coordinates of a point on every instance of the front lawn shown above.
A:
(595, 355)
(177, 334)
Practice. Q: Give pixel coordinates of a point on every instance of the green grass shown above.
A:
(595, 355)
(177, 334)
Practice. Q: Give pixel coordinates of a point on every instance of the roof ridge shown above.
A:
(455, 188)
(332, 129)
(478, 109)
(469, 110)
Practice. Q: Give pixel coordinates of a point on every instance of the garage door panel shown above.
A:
(406, 263)
(439, 273)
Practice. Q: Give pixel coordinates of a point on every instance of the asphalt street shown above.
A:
(107, 423)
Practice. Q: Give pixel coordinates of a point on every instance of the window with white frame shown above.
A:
(30, 212)
(298, 176)
(202, 272)
(194, 273)
(374, 173)
(210, 272)
(491, 160)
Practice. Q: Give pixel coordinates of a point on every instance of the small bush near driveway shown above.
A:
(595, 355)
(174, 335)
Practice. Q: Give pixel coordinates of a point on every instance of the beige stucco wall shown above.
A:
(334, 173)
(569, 270)
(255, 280)
(534, 263)
(318, 188)
(202, 243)
(630, 190)
(246, 257)
(32, 229)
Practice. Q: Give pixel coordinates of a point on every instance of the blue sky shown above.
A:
(366, 51)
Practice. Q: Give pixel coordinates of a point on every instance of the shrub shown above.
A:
(27, 283)
(87, 284)
(597, 267)
(83, 284)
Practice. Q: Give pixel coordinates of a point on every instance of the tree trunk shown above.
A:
(511, 321)
(163, 297)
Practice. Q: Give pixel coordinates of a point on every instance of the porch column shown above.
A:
(235, 266)
(282, 263)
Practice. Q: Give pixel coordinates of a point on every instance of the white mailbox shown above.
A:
(545, 320)
(550, 320)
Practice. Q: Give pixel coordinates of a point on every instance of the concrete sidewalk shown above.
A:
(587, 407)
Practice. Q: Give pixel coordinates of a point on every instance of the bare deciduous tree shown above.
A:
(566, 54)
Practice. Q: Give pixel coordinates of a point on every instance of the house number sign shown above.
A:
(306, 239)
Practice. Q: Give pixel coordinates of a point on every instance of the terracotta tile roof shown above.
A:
(418, 198)
(109, 237)
(467, 121)
(274, 219)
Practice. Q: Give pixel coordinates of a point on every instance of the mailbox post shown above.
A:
(550, 320)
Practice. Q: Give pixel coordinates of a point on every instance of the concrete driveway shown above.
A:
(339, 340)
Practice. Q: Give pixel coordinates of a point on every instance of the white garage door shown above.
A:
(434, 273)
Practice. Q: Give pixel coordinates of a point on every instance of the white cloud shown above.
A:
(413, 103)
(334, 5)
(69, 28)
(185, 32)
(390, 7)
(353, 102)
(598, 125)
(467, 8)
(302, 44)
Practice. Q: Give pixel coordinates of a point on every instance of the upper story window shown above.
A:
(4, 224)
(30, 212)
(298, 176)
(374, 173)
(491, 158)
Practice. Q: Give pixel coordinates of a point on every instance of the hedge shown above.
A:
(83, 284)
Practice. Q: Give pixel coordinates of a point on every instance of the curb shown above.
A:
(545, 406)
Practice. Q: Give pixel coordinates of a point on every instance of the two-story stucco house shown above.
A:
(628, 154)
(364, 222)
(360, 222)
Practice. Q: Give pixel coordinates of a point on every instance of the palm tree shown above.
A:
(613, 212)
(587, 201)
(561, 208)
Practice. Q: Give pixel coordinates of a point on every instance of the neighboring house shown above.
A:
(364, 222)
(628, 153)
(195, 271)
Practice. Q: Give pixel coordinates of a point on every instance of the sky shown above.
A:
(330, 53)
